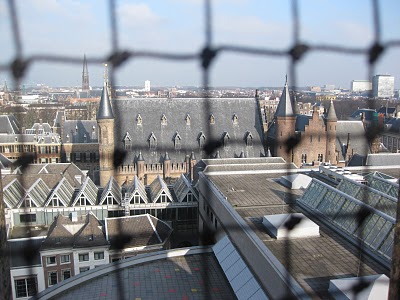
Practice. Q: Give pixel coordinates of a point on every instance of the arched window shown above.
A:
(201, 139)
(235, 119)
(152, 141)
(212, 119)
(187, 120)
(139, 120)
(177, 141)
(225, 139)
(249, 139)
(163, 120)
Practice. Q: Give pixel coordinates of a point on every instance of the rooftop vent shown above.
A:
(277, 226)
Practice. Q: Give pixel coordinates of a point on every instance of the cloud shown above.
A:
(137, 15)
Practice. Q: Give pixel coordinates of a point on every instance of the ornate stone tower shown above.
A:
(331, 121)
(105, 121)
(285, 121)
(85, 75)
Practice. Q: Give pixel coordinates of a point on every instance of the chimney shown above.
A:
(23, 130)
(74, 216)
(41, 121)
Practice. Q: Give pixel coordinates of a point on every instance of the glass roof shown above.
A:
(339, 208)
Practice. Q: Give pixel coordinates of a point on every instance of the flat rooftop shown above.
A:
(311, 261)
(196, 276)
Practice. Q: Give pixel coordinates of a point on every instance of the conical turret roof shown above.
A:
(105, 110)
(285, 107)
(331, 115)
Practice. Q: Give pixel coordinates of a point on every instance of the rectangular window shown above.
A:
(84, 257)
(50, 260)
(83, 269)
(65, 258)
(99, 255)
(27, 218)
(25, 287)
(65, 274)
(51, 278)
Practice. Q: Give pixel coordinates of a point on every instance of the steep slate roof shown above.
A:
(29, 138)
(136, 231)
(88, 191)
(42, 128)
(63, 193)
(85, 232)
(5, 163)
(182, 188)
(157, 188)
(80, 131)
(175, 111)
(358, 141)
(105, 110)
(136, 187)
(285, 106)
(383, 159)
(112, 189)
(8, 125)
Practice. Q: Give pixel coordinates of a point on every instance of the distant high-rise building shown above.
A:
(329, 87)
(383, 86)
(147, 86)
(85, 75)
(361, 85)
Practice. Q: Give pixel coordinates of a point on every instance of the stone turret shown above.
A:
(331, 122)
(285, 119)
(140, 166)
(166, 166)
(105, 122)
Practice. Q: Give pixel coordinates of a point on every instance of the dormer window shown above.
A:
(76, 128)
(85, 138)
(249, 139)
(201, 139)
(163, 120)
(67, 138)
(127, 140)
(139, 120)
(225, 139)
(235, 120)
(177, 141)
(187, 120)
(212, 119)
(152, 141)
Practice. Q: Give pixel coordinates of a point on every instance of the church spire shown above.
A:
(105, 110)
(85, 75)
(285, 107)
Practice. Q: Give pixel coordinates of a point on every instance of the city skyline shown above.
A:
(82, 27)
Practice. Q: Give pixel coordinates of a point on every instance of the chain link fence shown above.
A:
(205, 56)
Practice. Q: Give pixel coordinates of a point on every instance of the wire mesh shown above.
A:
(206, 56)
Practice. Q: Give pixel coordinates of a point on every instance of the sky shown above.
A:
(78, 27)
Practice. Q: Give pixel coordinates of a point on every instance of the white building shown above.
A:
(383, 86)
(361, 85)
(147, 86)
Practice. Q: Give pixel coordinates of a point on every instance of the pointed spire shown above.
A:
(105, 110)
(140, 156)
(85, 75)
(166, 157)
(285, 107)
(192, 156)
(217, 155)
(331, 115)
(5, 88)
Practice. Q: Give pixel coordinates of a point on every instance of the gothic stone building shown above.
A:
(167, 136)
(319, 138)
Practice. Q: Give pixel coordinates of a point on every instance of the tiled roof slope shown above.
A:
(136, 231)
(236, 117)
(8, 125)
(64, 233)
(80, 131)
